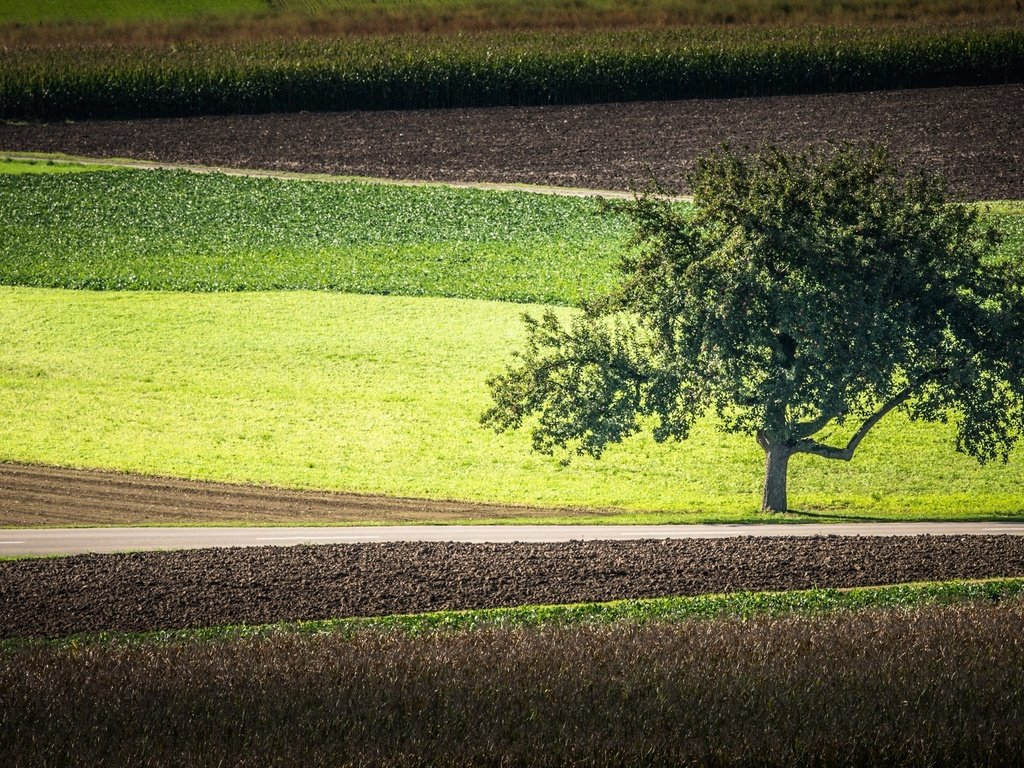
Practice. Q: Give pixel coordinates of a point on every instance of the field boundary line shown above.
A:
(486, 186)
(45, 542)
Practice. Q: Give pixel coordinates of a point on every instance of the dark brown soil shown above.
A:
(161, 590)
(39, 496)
(974, 135)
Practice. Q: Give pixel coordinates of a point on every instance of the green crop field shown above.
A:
(320, 389)
(184, 231)
(163, 230)
(382, 395)
(543, 67)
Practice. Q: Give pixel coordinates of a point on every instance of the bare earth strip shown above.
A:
(33, 496)
(974, 135)
(58, 158)
(257, 585)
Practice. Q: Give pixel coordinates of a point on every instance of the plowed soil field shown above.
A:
(164, 590)
(52, 497)
(975, 136)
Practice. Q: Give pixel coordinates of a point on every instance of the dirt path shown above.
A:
(973, 135)
(61, 157)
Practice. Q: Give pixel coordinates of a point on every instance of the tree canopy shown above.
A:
(802, 290)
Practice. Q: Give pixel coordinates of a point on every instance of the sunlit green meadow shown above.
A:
(11, 167)
(382, 395)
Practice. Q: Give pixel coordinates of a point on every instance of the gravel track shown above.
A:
(164, 590)
(974, 135)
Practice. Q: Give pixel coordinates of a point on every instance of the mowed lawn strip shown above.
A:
(174, 230)
(382, 395)
(12, 167)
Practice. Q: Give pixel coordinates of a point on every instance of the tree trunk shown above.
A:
(776, 465)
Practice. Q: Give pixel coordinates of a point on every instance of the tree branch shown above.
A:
(845, 454)
(808, 428)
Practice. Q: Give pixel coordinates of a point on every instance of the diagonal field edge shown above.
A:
(147, 165)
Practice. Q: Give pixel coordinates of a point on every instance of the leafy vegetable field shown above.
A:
(161, 230)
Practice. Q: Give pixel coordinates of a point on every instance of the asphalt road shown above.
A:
(66, 541)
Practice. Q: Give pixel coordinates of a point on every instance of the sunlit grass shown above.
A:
(382, 395)
(20, 167)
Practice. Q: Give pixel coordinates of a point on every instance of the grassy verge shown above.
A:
(164, 230)
(382, 395)
(407, 72)
(930, 684)
(11, 167)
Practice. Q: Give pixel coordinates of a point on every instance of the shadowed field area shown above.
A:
(934, 685)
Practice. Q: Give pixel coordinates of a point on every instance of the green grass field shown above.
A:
(9, 167)
(382, 395)
(362, 393)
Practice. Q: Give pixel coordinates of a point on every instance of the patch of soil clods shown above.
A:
(167, 590)
(974, 135)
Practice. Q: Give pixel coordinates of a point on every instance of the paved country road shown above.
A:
(67, 541)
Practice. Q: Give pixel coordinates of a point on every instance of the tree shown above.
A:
(804, 290)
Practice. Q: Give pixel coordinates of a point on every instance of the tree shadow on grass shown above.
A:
(831, 517)
(800, 515)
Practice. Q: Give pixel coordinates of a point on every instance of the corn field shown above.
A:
(492, 70)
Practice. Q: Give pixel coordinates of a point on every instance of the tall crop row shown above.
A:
(486, 70)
